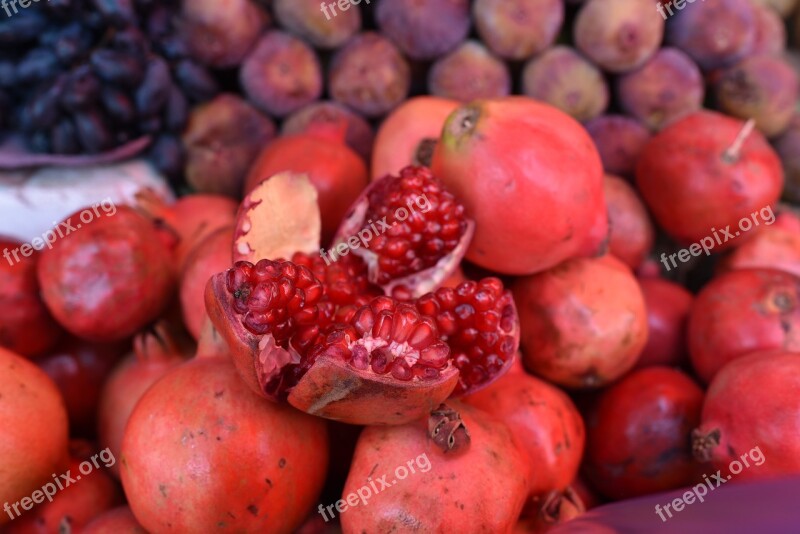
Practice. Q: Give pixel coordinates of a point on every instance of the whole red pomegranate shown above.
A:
(668, 307)
(34, 419)
(583, 323)
(27, 327)
(336, 171)
(638, 434)
(751, 416)
(459, 472)
(703, 174)
(87, 492)
(79, 369)
(546, 423)
(555, 508)
(743, 311)
(108, 277)
(508, 158)
(119, 520)
(630, 232)
(209, 257)
(156, 352)
(771, 247)
(201, 450)
(408, 135)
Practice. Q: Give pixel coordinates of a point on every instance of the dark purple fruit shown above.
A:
(93, 134)
(38, 65)
(323, 24)
(468, 73)
(369, 75)
(669, 86)
(565, 79)
(153, 93)
(764, 88)
(64, 138)
(424, 29)
(195, 80)
(788, 148)
(117, 67)
(518, 29)
(714, 33)
(618, 35)
(118, 105)
(82, 89)
(282, 74)
(770, 31)
(619, 140)
(167, 155)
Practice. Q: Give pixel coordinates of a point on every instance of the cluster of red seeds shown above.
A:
(477, 321)
(415, 239)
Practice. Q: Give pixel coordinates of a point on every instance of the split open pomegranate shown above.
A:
(327, 344)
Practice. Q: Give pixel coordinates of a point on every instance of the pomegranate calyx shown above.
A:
(703, 443)
(447, 430)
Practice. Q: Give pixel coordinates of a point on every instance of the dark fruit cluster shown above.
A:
(92, 75)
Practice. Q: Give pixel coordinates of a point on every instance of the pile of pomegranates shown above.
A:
(411, 310)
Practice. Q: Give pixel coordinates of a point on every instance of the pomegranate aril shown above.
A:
(306, 316)
(401, 370)
(466, 290)
(380, 360)
(428, 373)
(428, 305)
(488, 340)
(383, 326)
(464, 312)
(423, 335)
(436, 355)
(507, 346)
(403, 322)
(382, 303)
(265, 270)
(446, 297)
(360, 358)
(257, 323)
(262, 296)
(363, 321)
(487, 321)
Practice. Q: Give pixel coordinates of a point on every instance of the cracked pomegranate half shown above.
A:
(411, 232)
(322, 339)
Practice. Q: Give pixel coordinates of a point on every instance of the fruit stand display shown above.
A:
(507, 266)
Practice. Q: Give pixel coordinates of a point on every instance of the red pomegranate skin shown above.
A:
(668, 306)
(79, 369)
(771, 247)
(481, 488)
(546, 423)
(211, 256)
(583, 323)
(743, 311)
(34, 422)
(408, 134)
(631, 234)
(692, 188)
(509, 158)
(108, 278)
(638, 434)
(27, 327)
(753, 408)
(79, 502)
(201, 451)
(119, 520)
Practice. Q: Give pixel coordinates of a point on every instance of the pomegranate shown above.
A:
(479, 159)
(704, 174)
(109, 277)
(480, 487)
(201, 451)
(330, 349)
(337, 172)
(555, 508)
(191, 219)
(638, 434)
(548, 427)
(88, 491)
(408, 135)
(584, 323)
(208, 258)
(79, 369)
(630, 234)
(743, 311)
(34, 443)
(27, 327)
(409, 230)
(119, 520)
(156, 352)
(668, 307)
(752, 413)
(771, 247)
